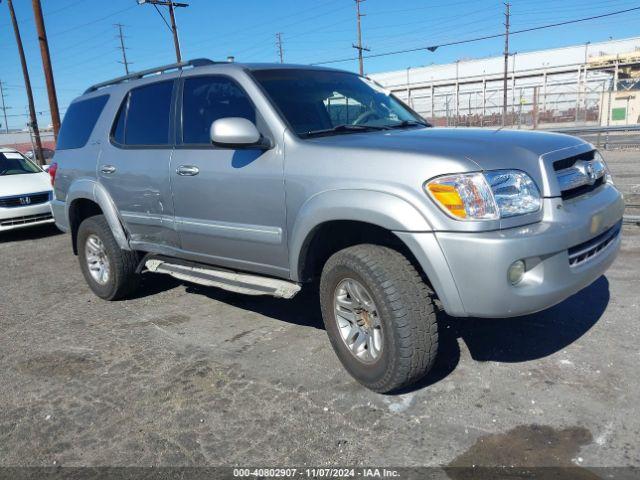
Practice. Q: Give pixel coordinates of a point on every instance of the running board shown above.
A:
(228, 280)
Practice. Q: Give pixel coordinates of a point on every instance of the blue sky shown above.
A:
(83, 38)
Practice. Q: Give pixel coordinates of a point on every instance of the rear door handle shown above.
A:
(108, 169)
(187, 170)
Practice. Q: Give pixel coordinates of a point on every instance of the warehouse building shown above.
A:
(588, 84)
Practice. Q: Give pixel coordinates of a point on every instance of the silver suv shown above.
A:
(262, 178)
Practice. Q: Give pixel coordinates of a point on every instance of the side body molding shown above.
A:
(378, 208)
(89, 189)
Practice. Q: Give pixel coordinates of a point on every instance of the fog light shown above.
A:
(516, 272)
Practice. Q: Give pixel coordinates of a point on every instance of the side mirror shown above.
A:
(237, 133)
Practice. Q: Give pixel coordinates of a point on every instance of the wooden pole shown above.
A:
(46, 64)
(174, 29)
(33, 122)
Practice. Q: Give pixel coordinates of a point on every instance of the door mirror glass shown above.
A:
(236, 132)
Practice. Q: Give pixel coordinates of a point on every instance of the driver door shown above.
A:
(229, 203)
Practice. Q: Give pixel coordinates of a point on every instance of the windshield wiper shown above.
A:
(344, 128)
(408, 123)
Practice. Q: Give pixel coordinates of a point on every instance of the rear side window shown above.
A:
(207, 99)
(79, 121)
(144, 117)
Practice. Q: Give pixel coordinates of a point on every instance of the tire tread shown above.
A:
(412, 310)
(123, 262)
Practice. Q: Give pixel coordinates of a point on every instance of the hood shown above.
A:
(474, 148)
(487, 148)
(12, 185)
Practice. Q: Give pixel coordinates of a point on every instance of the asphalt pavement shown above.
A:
(186, 375)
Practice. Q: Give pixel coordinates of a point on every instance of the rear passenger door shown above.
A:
(230, 208)
(134, 166)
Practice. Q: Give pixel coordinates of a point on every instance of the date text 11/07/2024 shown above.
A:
(316, 472)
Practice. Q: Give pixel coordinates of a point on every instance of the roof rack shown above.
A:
(197, 62)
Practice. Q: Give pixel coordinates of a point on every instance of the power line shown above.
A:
(433, 48)
(260, 43)
(162, 17)
(80, 43)
(173, 27)
(430, 7)
(52, 12)
(264, 27)
(91, 22)
(548, 10)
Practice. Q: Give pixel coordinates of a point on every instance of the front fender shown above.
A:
(91, 190)
(377, 208)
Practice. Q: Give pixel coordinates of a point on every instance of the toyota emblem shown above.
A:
(590, 172)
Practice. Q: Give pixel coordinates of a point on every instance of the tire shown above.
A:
(404, 312)
(121, 279)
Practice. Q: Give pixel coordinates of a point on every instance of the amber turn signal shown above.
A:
(449, 198)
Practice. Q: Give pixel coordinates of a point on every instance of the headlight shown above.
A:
(489, 196)
(515, 192)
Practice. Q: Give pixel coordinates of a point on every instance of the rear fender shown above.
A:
(91, 190)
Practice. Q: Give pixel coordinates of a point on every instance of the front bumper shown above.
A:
(21, 217)
(475, 276)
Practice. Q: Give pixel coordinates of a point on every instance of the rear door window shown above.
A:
(144, 117)
(79, 121)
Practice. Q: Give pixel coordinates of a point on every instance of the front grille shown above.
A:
(579, 254)
(25, 200)
(576, 192)
(12, 222)
(579, 174)
(570, 161)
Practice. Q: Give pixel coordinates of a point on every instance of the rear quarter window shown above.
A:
(79, 122)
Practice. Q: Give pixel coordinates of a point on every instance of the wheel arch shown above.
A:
(365, 214)
(370, 217)
(87, 198)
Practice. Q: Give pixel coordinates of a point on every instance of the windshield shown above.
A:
(13, 163)
(333, 102)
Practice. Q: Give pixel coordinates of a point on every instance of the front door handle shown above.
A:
(108, 169)
(187, 170)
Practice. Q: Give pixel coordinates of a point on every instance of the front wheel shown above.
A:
(379, 316)
(109, 270)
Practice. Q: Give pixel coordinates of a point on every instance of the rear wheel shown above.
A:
(109, 270)
(379, 316)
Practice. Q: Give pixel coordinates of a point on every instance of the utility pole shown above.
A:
(46, 64)
(359, 46)
(123, 48)
(27, 83)
(506, 62)
(279, 45)
(174, 29)
(4, 109)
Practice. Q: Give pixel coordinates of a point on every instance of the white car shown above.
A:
(25, 192)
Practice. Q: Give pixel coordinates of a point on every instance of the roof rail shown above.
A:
(197, 62)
